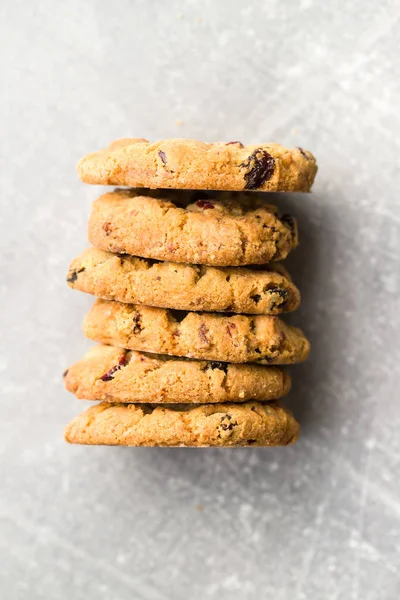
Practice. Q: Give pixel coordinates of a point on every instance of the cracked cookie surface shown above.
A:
(190, 164)
(232, 338)
(196, 228)
(266, 290)
(115, 375)
(219, 425)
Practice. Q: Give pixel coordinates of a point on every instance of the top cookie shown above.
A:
(189, 164)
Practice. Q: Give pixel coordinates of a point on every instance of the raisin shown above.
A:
(256, 298)
(163, 157)
(202, 333)
(228, 278)
(229, 328)
(229, 310)
(73, 275)
(107, 228)
(260, 167)
(231, 143)
(250, 442)
(65, 372)
(218, 365)
(178, 315)
(302, 152)
(137, 326)
(158, 278)
(204, 204)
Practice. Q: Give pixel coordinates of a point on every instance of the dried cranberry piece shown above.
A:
(109, 375)
(204, 204)
(229, 328)
(163, 156)
(122, 362)
(202, 333)
(261, 167)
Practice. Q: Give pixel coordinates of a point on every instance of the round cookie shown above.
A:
(234, 338)
(219, 425)
(189, 164)
(183, 287)
(113, 375)
(196, 228)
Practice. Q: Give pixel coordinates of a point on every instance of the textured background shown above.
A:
(318, 521)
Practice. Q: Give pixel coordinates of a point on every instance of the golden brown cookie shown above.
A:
(266, 290)
(114, 375)
(234, 338)
(189, 164)
(220, 425)
(196, 228)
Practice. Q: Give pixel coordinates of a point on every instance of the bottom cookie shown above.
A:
(206, 425)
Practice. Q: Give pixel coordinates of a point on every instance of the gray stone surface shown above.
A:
(318, 521)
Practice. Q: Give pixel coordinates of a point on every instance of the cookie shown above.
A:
(231, 338)
(220, 425)
(135, 280)
(189, 164)
(225, 230)
(113, 375)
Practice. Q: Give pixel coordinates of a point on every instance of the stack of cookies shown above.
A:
(189, 292)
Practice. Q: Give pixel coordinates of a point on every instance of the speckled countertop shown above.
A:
(320, 520)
